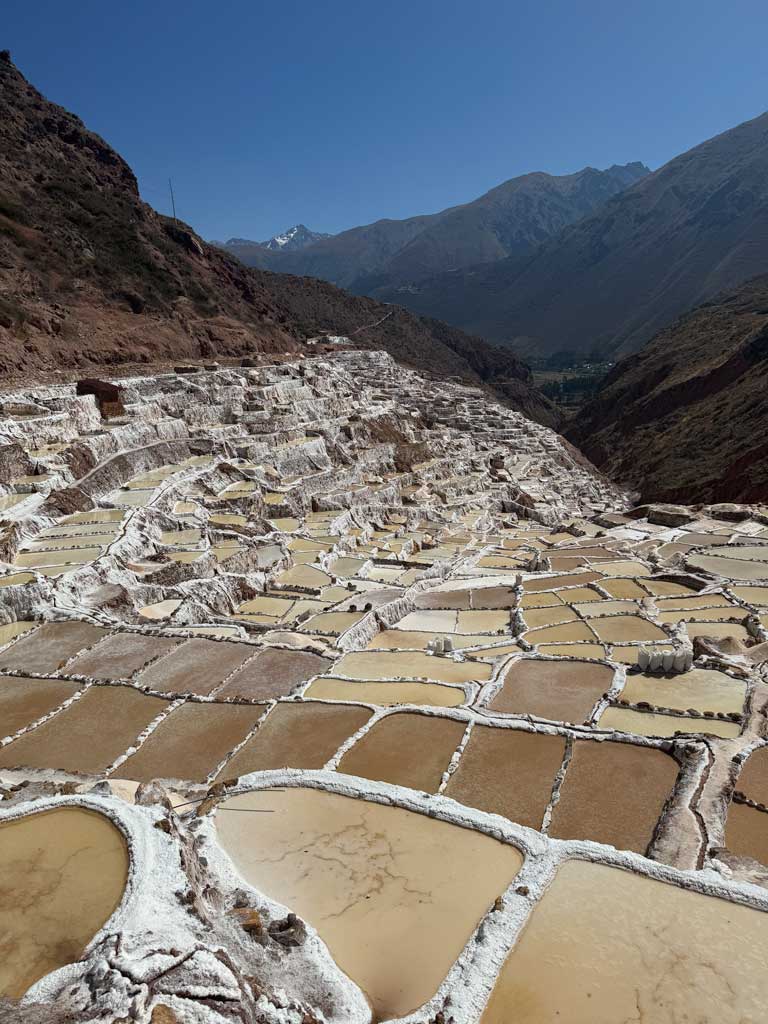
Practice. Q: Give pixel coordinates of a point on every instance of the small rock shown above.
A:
(249, 920)
(162, 1014)
(289, 932)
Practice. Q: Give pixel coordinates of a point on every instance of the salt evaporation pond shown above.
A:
(606, 945)
(62, 875)
(394, 894)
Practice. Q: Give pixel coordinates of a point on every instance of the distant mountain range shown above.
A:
(510, 220)
(295, 238)
(610, 281)
(91, 275)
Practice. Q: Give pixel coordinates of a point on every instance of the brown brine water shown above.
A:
(62, 874)
(394, 894)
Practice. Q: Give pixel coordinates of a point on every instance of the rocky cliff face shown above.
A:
(90, 274)
(686, 419)
(511, 219)
(609, 282)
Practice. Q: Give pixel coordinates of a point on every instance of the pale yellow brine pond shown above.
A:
(606, 946)
(394, 894)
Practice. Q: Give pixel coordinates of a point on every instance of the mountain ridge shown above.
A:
(510, 218)
(91, 275)
(610, 281)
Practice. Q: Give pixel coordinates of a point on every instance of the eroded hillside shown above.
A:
(686, 418)
(91, 275)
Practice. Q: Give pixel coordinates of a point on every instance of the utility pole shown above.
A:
(173, 201)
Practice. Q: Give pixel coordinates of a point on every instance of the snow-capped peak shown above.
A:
(297, 237)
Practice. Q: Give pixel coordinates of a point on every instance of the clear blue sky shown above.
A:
(338, 112)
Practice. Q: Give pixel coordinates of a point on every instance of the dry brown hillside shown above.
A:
(686, 419)
(90, 274)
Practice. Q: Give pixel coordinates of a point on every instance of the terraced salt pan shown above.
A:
(80, 530)
(649, 724)
(50, 646)
(575, 650)
(62, 875)
(61, 557)
(508, 772)
(626, 628)
(159, 610)
(331, 622)
(16, 579)
(563, 691)
(536, 618)
(404, 640)
(564, 633)
(753, 778)
(576, 579)
(24, 701)
(304, 735)
(732, 568)
(722, 614)
(405, 749)
(545, 599)
(96, 515)
(591, 609)
(623, 589)
(718, 629)
(758, 552)
(622, 813)
(746, 832)
(394, 894)
(190, 742)
(120, 655)
(197, 666)
(386, 694)
(11, 630)
(682, 604)
(433, 620)
(272, 672)
(624, 567)
(409, 665)
(757, 596)
(703, 689)
(605, 945)
(89, 734)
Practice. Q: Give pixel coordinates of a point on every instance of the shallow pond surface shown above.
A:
(606, 946)
(563, 691)
(648, 724)
(703, 689)
(394, 894)
(732, 568)
(386, 694)
(409, 665)
(405, 749)
(62, 874)
(613, 793)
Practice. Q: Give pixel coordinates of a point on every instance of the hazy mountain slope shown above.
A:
(677, 237)
(511, 218)
(90, 274)
(342, 258)
(428, 345)
(686, 418)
